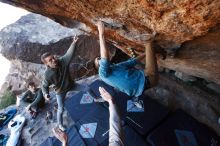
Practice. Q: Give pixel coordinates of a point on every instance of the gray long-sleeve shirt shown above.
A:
(59, 77)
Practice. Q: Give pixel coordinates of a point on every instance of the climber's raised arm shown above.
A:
(103, 50)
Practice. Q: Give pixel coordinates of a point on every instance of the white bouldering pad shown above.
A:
(15, 126)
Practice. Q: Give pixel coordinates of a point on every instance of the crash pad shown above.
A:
(94, 127)
(79, 105)
(74, 139)
(6, 117)
(180, 129)
(152, 115)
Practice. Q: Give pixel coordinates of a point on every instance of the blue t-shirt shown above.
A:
(123, 76)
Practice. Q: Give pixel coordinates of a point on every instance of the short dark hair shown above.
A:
(45, 55)
(30, 84)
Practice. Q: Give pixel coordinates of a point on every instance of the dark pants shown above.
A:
(38, 102)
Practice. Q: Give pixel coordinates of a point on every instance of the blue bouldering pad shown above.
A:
(94, 127)
(98, 83)
(6, 117)
(180, 129)
(152, 115)
(74, 139)
(79, 105)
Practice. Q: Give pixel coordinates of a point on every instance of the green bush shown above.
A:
(7, 99)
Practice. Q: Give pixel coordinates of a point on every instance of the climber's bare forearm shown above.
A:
(103, 49)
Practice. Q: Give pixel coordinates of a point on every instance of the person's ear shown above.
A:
(44, 62)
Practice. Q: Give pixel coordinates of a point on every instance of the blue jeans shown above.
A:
(60, 102)
(61, 98)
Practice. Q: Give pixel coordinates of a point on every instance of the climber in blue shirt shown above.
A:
(124, 76)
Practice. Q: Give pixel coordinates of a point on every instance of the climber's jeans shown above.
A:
(60, 102)
(61, 98)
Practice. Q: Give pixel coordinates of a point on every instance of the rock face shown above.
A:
(201, 105)
(199, 57)
(20, 74)
(184, 77)
(129, 21)
(32, 35)
(129, 24)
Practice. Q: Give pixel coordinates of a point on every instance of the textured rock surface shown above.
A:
(201, 105)
(130, 20)
(21, 73)
(214, 87)
(32, 35)
(199, 57)
(184, 77)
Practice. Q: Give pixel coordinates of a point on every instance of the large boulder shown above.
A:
(33, 34)
(199, 57)
(130, 23)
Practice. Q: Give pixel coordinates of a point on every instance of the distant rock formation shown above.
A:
(20, 74)
(34, 34)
